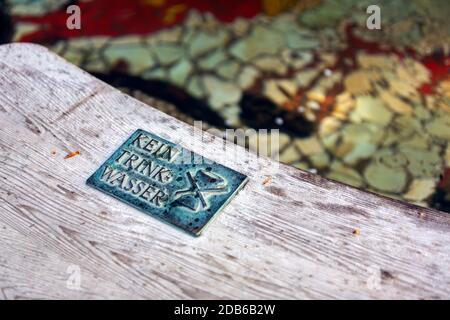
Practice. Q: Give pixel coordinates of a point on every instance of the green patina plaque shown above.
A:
(167, 181)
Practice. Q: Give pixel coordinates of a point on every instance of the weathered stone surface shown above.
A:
(359, 152)
(296, 40)
(137, 56)
(22, 29)
(384, 178)
(320, 161)
(221, 92)
(158, 73)
(247, 77)
(301, 165)
(270, 64)
(395, 103)
(417, 141)
(228, 69)
(423, 164)
(309, 146)
(195, 87)
(422, 112)
(73, 56)
(344, 104)
(405, 126)
(168, 53)
(296, 58)
(132, 40)
(329, 125)
(240, 26)
(304, 78)
(447, 155)
(372, 110)
(296, 37)
(231, 115)
(203, 41)
(290, 155)
(369, 132)
(261, 40)
(279, 91)
(193, 19)
(358, 141)
(420, 189)
(212, 60)
(180, 71)
(358, 83)
(390, 158)
(285, 23)
(167, 35)
(440, 126)
(344, 174)
(331, 140)
(95, 65)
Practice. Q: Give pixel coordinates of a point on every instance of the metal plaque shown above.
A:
(167, 181)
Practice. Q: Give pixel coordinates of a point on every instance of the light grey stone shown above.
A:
(384, 178)
(213, 59)
(180, 71)
(195, 87)
(270, 64)
(137, 57)
(228, 69)
(168, 53)
(247, 77)
(221, 92)
(203, 41)
(261, 40)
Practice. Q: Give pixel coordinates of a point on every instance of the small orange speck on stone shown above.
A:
(356, 232)
(53, 152)
(72, 154)
(267, 180)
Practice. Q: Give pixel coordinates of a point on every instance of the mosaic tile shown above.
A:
(296, 58)
(195, 88)
(371, 110)
(139, 56)
(221, 92)
(320, 161)
(420, 189)
(279, 91)
(440, 127)
(372, 99)
(210, 61)
(345, 174)
(203, 42)
(271, 65)
(309, 146)
(423, 164)
(167, 53)
(180, 71)
(384, 178)
(290, 155)
(228, 69)
(247, 77)
(260, 41)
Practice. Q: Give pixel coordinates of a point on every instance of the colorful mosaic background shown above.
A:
(370, 108)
